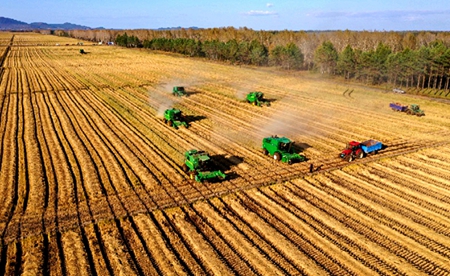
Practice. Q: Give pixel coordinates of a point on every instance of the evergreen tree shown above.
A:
(258, 53)
(346, 63)
(325, 57)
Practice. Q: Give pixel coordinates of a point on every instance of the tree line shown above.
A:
(408, 59)
(426, 67)
(233, 51)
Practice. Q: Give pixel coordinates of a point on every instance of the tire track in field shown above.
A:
(104, 179)
(58, 178)
(413, 175)
(227, 255)
(5, 115)
(397, 248)
(282, 251)
(50, 216)
(20, 198)
(38, 199)
(158, 125)
(212, 261)
(407, 209)
(438, 171)
(108, 120)
(253, 259)
(113, 208)
(115, 192)
(83, 211)
(267, 250)
(18, 178)
(347, 244)
(9, 171)
(184, 251)
(400, 226)
(307, 246)
(395, 185)
(136, 232)
(65, 175)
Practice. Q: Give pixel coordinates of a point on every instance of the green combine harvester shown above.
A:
(179, 91)
(174, 118)
(414, 109)
(257, 98)
(281, 149)
(198, 165)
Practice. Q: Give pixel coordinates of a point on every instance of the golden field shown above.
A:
(92, 182)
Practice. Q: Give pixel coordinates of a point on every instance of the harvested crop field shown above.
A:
(92, 182)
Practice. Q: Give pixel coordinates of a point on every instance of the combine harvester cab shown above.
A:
(281, 149)
(198, 165)
(356, 149)
(179, 91)
(257, 98)
(173, 117)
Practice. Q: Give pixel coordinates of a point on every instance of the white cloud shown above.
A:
(269, 5)
(406, 15)
(260, 13)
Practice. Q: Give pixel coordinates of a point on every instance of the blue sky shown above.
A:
(381, 15)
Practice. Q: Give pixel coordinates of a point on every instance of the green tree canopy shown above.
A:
(325, 57)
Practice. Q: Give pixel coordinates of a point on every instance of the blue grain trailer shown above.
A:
(371, 146)
(398, 107)
(356, 149)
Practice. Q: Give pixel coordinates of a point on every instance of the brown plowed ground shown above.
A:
(92, 182)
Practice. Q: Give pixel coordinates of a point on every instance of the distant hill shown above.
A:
(9, 24)
(15, 25)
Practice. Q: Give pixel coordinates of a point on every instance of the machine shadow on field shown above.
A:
(271, 100)
(193, 118)
(191, 92)
(225, 163)
(299, 147)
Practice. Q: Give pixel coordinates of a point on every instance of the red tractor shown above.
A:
(356, 149)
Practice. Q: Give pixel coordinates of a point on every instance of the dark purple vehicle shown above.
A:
(398, 107)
